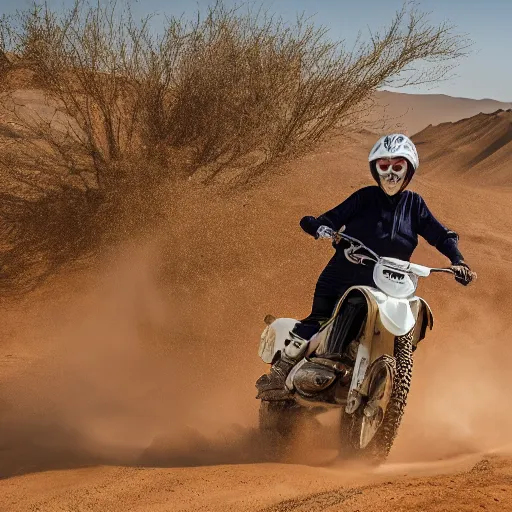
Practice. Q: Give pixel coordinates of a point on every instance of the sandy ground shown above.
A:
(463, 485)
(132, 389)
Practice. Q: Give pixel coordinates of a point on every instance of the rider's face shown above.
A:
(391, 173)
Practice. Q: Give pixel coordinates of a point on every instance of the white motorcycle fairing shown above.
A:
(273, 338)
(398, 316)
(396, 283)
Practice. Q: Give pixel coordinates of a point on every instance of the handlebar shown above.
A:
(360, 254)
(356, 245)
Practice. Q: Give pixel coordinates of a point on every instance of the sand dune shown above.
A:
(477, 150)
(411, 113)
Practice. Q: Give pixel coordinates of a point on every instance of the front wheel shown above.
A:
(377, 449)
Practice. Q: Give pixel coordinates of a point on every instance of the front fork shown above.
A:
(355, 396)
(376, 346)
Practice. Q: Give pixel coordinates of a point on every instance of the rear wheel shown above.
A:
(378, 448)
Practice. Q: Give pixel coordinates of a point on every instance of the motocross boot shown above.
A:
(272, 385)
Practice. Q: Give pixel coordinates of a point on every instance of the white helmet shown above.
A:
(395, 146)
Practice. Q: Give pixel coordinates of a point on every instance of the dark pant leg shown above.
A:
(321, 310)
(331, 285)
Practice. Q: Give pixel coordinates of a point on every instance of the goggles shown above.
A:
(385, 168)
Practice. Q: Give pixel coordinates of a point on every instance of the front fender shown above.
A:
(396, 315)
(400, 316)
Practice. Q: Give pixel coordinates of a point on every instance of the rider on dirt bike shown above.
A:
(388, 219)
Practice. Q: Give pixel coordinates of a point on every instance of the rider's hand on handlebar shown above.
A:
(463, 273)
(325, 232)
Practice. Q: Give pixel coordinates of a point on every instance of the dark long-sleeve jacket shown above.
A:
(388, 225)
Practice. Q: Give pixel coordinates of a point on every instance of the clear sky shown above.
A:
(486, 73)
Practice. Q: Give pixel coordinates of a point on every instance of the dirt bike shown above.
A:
(359, 362)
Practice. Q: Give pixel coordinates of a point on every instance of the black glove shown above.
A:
(463, 273)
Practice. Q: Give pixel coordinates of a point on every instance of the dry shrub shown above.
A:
(127, 109)
(5, 63)
(33, 234)
(237, 84)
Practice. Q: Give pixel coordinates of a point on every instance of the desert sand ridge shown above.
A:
(411, 113)
(477, 149)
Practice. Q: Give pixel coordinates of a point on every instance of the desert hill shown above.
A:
(477, 149)
(414, 112)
